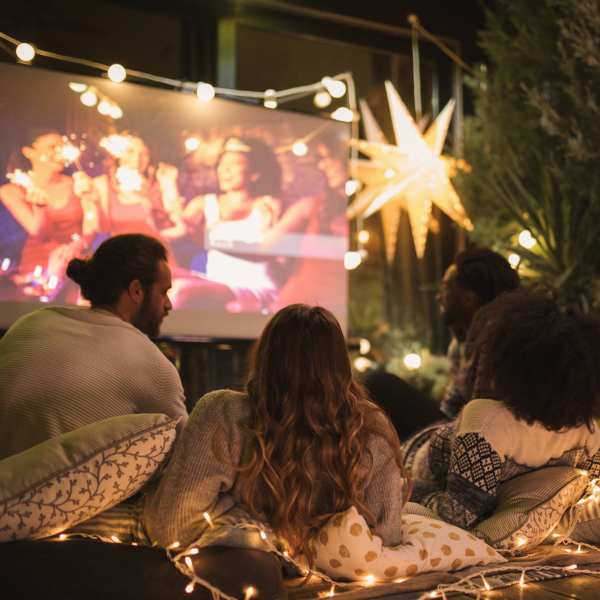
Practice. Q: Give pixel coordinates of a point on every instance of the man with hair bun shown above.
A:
(65, 367)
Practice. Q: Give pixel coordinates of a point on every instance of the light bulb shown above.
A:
(335, 87)
(412, 361)
(104, 107)
(117, 73)
(115, 112)
(364, 346)
(77, 87)
(514, 259)
(25, 52)
(5, 264)
(370, 579)
(89, 98)
(389, 173)
(300, 148)
(526, 239)
(249, 592)
(205, 91)
(363, 236)
(270, 100)
(343, 114)
(351, 187)
(351, 260)
(322, 99)
(362, 363)
(191, 144)
(189, 588)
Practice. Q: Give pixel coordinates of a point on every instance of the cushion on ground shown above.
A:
(531, 506)
(65, 480)
(91, 570)
(345, 548)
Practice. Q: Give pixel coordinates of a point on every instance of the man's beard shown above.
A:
(145, 319)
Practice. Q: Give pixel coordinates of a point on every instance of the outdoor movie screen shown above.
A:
(249, 201)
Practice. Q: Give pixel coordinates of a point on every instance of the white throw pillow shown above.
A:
(345, 548)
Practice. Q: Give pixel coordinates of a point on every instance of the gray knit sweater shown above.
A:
(196, 480)
(65, 367)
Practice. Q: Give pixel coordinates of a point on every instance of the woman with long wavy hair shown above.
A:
(302, 443)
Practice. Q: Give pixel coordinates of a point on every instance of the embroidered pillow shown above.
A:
(68, 479)
(531, 506)
(345, 548)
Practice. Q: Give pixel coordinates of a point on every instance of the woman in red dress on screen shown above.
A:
(135, 197)
(57, 211)
(247, 205)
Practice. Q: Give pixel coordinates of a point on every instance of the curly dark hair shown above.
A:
(115, 264)
(540, 360)
(485, 272)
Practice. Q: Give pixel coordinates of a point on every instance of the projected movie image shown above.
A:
(249, 201)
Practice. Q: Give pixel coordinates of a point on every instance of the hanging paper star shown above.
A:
(411, 174)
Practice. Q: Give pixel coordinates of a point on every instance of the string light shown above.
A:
(370, 579)
(189, 588)
(89, 98)
(62, 537)
(25, 52)
(363, 236)
(343, 114)
(351, 260)
(364, 346)
(205, 91)
(115, 539)
(270, 100)
(208, 519)
(526, 239)
(322, 99)
(362, 363)
(174, 545)
(412, 361)
(5, 264)
(192, 551)
(77, 87)
(300, 148)
(331, 591)
(117, 73)
(191, 144)
(335, 87)
(351, 187)
(522, 580)
(263, 535)
(104, 107)
(514, 259)
(249, 592)
(486, 585)
(188, 562)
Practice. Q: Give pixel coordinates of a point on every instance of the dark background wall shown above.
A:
(259, 44)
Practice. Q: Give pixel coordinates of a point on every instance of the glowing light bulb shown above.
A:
(571, 568)
(205, 91)
(526, 239)
(89, 98)
(322, 99)
(300, 148)
(362, 363)
(521, 541)
(351, 187)
(522, 579)
(69, 153)
(208, 519)
(191, 144)
(343, 114)
(193, 551)
(128, 179)
(52, 283)
(249, 592)
(117, 73)
(335, 87)
(104, 107)
(514, 260)
(270, 99)
(263, 535)
(486, 585)
(25, 52)
(115, 112)
(364, 346)
(77, 87)
(189, 588)
(331, 591)
(370, 579)
(5, 264)
(389, 173)
(351, 260)
(363, 236)
(174, 545)
(62, 537)
(412, 361)
(115, 539)
(188, 562)
(37, 271)
(115, 144)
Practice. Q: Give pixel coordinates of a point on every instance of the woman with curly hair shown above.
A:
(542, 363)
(301, 444)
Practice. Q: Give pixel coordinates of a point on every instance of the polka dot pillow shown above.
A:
(345, 548)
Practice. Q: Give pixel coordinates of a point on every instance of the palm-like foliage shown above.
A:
(534, 143)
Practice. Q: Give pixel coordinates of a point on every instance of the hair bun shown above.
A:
(78, 270)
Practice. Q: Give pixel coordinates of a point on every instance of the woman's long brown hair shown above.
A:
(310, 427)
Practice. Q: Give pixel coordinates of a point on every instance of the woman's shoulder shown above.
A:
(222, 403)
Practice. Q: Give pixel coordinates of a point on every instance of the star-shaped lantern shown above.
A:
(411, 174)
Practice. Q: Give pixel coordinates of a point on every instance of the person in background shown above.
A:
(302, 443)
(476, 277)
(543, 364)
(65, 367)
(59, 213)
